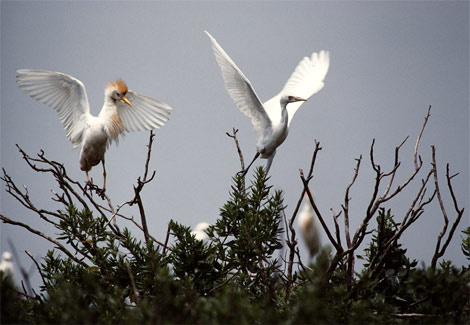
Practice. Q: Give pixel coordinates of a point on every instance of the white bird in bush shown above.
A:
(309, 226)
(271, 120)
(123, 110)
(199, 231)
(6, 266)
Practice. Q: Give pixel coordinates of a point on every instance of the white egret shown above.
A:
(309, 226)
(123, 110)
(199, 231)
(6, 266)
(271, 119)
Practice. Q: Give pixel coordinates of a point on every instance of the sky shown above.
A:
(388, 62)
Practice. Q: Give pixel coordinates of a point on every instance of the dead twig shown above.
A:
(439, 252)
(292, 241)
(134, 287)
(234, 137)
(37, 232)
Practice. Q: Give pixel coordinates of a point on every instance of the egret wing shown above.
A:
(241, 90)
(64, 93)
(146, 113)
(306, 80)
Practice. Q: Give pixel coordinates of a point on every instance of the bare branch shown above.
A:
(234, 137)
(292, 241)
(337, 231)
(37, 266)
(37, 232)
(419, 137)
(165, 246)
(439, 252)
(315, 208)
(134, 287)
(346, 202)
(147, 161)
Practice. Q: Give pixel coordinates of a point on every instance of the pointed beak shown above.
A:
(125, 100)
(299, 99)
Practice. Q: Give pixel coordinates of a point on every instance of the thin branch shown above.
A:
(234, 137)
(419, 137)
(23, 272)
(37, 266)
(291, 241)
(439, 252)
(165, 246)
(134, 287)
(315, 208)
(37, 232)
(347, 199)
(337, 231)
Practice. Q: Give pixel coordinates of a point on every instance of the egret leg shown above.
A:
(87, 177)
(243, 172)
(88, 183)
(270, 161)
(104, 175)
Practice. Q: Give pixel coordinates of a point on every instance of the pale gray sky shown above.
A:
(389, 62)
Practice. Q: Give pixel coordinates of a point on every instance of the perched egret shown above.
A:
(309, 226)
(271, 119)
(6, 266)
(199, 231)
(123, 110)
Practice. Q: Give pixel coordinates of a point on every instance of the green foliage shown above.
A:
(233, 277)
(466, 243)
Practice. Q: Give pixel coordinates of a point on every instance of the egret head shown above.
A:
(6, 256)
(291, 99)
(117, 90)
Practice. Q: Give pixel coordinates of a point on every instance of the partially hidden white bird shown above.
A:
(6, 266)
(199, 231)
(123, 111)
(271, 120)
(309, 226)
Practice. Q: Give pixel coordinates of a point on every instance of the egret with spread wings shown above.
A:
(123, 110)
(271, 119)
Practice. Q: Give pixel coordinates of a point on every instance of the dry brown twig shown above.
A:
(439, 252)
(376, 201)
(292, 241)
(237, 144)
(72, 192)
(48, 238)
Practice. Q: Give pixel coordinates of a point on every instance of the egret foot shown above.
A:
(89, 186)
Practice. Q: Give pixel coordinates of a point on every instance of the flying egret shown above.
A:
(123, 110)
(199, 231)
(6, 266)
(271, 119)
(309, 227)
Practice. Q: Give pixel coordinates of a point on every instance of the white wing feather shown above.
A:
(64, 93)
(146, 113)
(306, 80)
(241, 90)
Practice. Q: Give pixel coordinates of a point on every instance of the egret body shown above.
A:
(123, 110)
(199, 231)
(6, 266)
(271, 120)
(309, 226)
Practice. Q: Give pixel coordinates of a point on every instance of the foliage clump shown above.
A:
(236, 275)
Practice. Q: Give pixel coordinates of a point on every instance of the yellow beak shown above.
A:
(125, 100)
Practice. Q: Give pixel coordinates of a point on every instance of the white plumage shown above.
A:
(199, 231)
(309, 226)
(123, 111)
(6, 266)
(272, 119)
